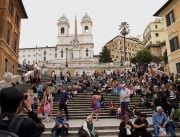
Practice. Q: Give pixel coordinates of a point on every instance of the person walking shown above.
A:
(96, 105)
(124, 99)
(64, 97)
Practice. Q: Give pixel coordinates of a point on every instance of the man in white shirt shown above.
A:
(124, 99)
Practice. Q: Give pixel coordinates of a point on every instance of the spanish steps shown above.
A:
(79, 108)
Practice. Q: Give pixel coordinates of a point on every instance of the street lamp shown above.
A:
(66, 57)
(124, 30)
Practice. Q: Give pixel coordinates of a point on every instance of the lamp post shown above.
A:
(124, 30)
(66, 57)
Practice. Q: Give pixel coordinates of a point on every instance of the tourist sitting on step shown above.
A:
(87, 129)
(61, 126)
(126, 127)
(112, 108)
(140, 126)
(160, 121)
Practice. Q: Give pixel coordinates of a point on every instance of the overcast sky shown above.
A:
(41, 26)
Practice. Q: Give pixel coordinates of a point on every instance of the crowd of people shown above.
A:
(157, 92)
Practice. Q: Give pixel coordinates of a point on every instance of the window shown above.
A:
(174, 44)
(15, 45)
(23, 55)
(11, 8)
(8, 34)
(44, 58)
(86, 28)
(55, 55)
(87, 52)
(170, 18)
(28, 55)
(44, 52)
(17, 20)
(156, 26)
(178, 67)
(61, 53)
(6, 65)
(62, 30)
(157, 34)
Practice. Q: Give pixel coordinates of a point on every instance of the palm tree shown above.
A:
(124, 30)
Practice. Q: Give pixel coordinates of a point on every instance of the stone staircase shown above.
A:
(107, 126)
(80, 106)
(103, 131)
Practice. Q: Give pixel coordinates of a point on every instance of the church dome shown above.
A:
(86, 18)
(63, 19)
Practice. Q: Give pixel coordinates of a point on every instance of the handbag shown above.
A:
(162, 132)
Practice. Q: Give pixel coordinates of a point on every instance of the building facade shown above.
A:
(170, 12)
(116, 47)
(70, 48)
(154, 37)
(11, 13)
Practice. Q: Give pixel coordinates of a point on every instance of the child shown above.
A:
(40, 109)
(47, 110)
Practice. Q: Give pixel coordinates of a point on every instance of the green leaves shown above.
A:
(105, 55)
(124, 28)
(144, 56)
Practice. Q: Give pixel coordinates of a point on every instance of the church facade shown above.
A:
(70, 50)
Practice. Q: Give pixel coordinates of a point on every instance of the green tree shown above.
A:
(105, 55)
(133, 60)
(165, 57)
(144, 56)
(124, 30)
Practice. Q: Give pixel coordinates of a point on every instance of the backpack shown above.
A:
(12, 128)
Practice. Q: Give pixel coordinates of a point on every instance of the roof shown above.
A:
(36, 48)
(133, 39)
(23, 9)
(163, 7)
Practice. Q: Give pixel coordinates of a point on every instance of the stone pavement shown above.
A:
(99, 123)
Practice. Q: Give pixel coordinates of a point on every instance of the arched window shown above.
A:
(86, 28)
(61, 53)
(62, 30)
(87, 52)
